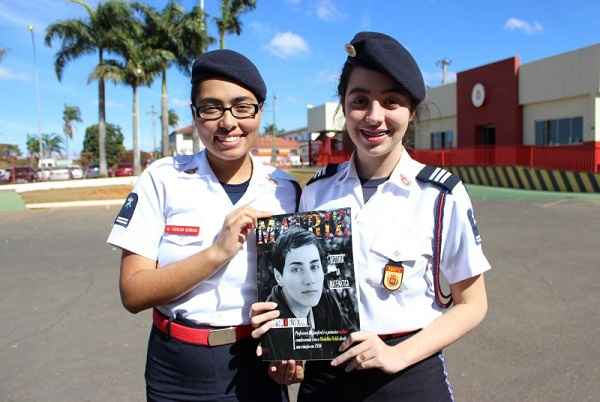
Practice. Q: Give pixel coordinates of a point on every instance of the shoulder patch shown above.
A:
(127, 209)
(323, 173)
(438, 177)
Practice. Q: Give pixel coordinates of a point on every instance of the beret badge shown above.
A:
(350, 50)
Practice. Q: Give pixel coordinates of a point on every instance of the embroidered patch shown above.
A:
(393, 273)
(474, 226)
(127, 209)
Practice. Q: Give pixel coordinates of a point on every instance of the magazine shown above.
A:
(305, 265)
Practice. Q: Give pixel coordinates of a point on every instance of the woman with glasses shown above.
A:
(187, 235)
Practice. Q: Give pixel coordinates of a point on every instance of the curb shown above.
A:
(71, 204)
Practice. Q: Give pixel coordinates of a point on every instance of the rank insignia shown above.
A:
(392, 275)
(350, 50)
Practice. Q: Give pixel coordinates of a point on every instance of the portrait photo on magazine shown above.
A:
(305, 265)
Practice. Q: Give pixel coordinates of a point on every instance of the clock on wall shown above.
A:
(478, 95)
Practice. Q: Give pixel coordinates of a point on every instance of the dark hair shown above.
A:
(294, 237)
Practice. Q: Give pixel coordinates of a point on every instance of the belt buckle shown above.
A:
(221, 336)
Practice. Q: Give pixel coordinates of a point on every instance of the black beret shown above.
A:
(232, 66)
(380, 52)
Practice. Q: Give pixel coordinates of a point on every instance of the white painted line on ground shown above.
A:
(51, 185)
(70, 204)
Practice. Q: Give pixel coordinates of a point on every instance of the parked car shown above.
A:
(76, 172)
(124, 169)
(92, 171)
(4, 176)
(24, 174)
(42, 174)
(59, 174)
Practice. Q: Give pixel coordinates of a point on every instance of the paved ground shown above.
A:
(65, 336)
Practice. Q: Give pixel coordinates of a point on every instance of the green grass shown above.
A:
(485, 193)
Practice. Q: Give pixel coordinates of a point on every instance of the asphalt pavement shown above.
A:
(65, 336)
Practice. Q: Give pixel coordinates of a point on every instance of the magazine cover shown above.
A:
(305, 265)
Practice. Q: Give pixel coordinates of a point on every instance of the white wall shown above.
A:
(438, 113)
(325, 117)
(568, 75)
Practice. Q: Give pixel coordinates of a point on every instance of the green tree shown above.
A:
(53, 144)
(139, 66)
(114, 143)
(230, 21)
(9, 151)
(181, 34)
(81, 37)
(71, 114)
(173, 118)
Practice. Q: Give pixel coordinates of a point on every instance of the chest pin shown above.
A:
(393, 273)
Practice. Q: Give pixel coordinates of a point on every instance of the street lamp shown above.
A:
(37, 95)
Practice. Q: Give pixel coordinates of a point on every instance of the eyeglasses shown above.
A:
(215, 112)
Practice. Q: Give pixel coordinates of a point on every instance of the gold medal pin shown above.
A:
(393, 273)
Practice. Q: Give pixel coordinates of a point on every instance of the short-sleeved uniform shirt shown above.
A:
(177, 208)
(397, 224)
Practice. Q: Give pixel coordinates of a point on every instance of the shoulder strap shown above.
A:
(443, 300)
(324, 172)
(438, 177)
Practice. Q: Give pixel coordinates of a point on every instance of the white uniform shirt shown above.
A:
(397, 224)
(184, 192)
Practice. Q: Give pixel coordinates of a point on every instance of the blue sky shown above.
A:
(296, 44)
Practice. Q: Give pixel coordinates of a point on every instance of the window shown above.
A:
(559, 131)
(442, 139)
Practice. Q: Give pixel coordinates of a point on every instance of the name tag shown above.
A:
(182, 230)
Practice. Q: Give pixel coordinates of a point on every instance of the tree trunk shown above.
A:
(101, 124)
(222, 40)
(137, 168)
(164, 117)
(195, 138)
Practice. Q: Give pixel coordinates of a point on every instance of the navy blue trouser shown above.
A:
(425, 381)
(177, 371)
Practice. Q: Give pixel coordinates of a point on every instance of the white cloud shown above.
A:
(327, 11)
(287, 44)
(530, 28)
(6, 74)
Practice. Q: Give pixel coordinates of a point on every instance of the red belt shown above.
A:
(398, 334)
(200, 336)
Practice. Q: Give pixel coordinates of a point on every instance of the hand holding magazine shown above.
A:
(305, 265)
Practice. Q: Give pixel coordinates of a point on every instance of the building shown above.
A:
(544, 114)
(286, 151)
(181, 142)
(325, 123)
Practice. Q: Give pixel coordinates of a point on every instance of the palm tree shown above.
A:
(139, 66)
(173, 118)
(181, 34)
(80, 37)
(53, 144)
(2, 53)
(229, 21)
(71, 114)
